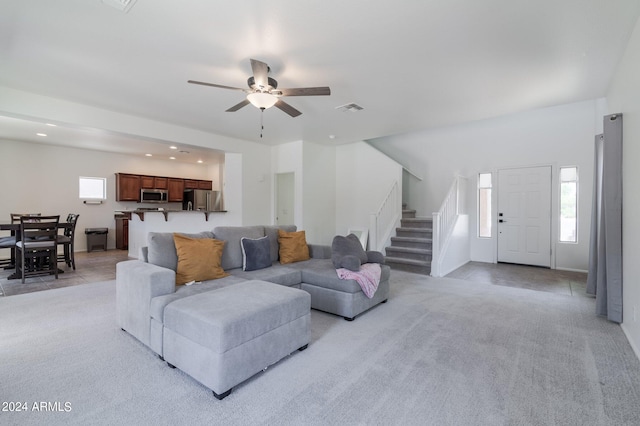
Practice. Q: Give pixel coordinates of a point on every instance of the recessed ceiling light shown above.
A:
(200, 161)
(41, 134)
(149, 155)
(332, 136)
(51, 124)
(172, 158)
(173, 147)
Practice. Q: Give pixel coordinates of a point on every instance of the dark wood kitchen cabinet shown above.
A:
(198, 184)
(127, 187)
(147, 182)
(205, 184)
(160, 182)
(153, 182)
(122, 233)
(176, 189)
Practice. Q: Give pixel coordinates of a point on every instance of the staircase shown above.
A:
(410, 249)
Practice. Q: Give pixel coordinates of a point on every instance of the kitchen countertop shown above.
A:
(165, 212)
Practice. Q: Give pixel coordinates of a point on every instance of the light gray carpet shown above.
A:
(440, 352)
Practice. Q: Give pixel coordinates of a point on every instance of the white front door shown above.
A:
(524, 216)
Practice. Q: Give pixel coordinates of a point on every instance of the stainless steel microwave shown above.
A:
(154, 195)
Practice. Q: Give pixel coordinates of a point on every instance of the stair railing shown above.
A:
(383, 222)
(444, 221)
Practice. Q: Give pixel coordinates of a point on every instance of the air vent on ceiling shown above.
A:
(350, 107)
(122, 5)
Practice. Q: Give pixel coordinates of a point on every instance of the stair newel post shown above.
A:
(435, 248)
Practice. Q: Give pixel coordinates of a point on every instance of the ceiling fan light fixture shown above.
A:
(262, 100)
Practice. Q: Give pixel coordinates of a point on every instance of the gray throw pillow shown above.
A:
(232, 254)
(256, 254)
(347, 252)
(272, 233)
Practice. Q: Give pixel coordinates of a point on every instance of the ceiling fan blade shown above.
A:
(202, 83)
(306, 91)
(260, 71)
(282, 105)
(238, 106)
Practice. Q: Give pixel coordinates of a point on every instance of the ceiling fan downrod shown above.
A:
(261, 121)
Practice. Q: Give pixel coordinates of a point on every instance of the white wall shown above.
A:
(557, 136)
(364, 177)
(45, 179)
(288, 158)
(319, 192)
(624, 97)
(313, 166)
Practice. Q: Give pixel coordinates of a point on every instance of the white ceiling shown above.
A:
(411, 64)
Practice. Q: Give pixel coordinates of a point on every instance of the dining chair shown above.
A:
(9, 242)
(37, 246)
(67, 241)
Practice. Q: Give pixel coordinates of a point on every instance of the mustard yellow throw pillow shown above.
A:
(293, 246)
(198, 259)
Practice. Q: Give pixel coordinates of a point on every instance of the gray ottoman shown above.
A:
(223, 337)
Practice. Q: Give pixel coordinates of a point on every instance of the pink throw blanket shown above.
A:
(368, 277)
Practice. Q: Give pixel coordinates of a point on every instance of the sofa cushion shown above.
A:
(162, 250)
(229, 317)
(278, 274)
(272, 233)
(347, 252)
(158, 303)
(232, 254)
(198, 259)
(321, 273)
(293, 246)
(256, 253)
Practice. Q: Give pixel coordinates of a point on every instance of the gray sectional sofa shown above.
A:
(176, 321)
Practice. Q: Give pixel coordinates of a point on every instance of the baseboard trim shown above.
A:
(635, 349)
(572, 270)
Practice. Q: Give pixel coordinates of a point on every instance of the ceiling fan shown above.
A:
(263, 91)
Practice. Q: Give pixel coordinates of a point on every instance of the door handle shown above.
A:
(502, 221)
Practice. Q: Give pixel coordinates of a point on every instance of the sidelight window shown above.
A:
(484, 205)
(569, 204)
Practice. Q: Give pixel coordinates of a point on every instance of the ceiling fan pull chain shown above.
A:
(261, 121)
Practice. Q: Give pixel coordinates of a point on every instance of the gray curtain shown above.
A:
(605, 252)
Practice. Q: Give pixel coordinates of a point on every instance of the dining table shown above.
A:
(14, 228)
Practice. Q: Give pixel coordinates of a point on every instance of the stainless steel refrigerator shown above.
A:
(202, 199)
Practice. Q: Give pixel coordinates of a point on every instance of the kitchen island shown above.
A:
(143, 221)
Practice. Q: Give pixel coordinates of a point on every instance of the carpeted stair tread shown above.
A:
(409, 250)
(412, 239)
(409, 265)
(406, 213)
(418, 221)
(419, 230)
(392, 259)
(409, 253)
